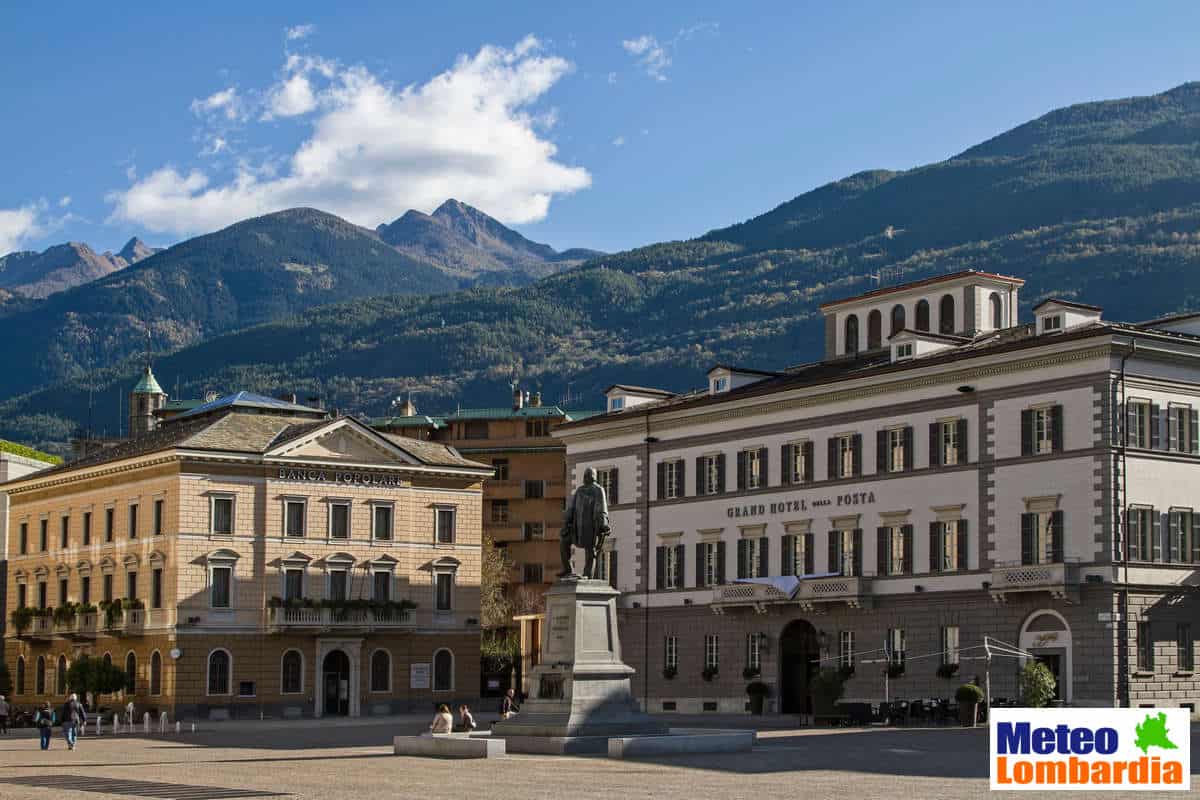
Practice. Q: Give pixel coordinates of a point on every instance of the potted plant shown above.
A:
(827, 687)
(969, 696)
(275, 602)
(758, 692)
(1037, 684)
(21, 619)
(669, 673)
(709, 673)
(947, 671)
(895, 669)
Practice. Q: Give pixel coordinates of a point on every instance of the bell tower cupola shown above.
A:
(146, 398)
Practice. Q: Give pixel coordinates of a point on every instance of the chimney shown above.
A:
(518, 399)
(288, 397)
(536, 400)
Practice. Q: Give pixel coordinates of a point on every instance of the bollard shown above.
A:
(146, 722)
(178, 726)
(193, 727)
(162, 722)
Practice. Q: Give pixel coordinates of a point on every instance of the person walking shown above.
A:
(508, 705)
(73, 716)
(3, 714)
(44, 720)
(442, 721)
(466, 722)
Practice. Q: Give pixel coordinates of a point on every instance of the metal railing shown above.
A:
(340, 618)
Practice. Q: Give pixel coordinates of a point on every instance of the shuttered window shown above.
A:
(1041, 430)
(1042, 537)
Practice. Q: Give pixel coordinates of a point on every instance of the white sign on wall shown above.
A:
(418, 676)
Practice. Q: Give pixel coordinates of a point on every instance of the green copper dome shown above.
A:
(147, 385)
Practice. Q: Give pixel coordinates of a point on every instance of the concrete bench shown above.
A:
(448, 745)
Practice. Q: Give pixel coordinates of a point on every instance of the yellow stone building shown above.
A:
(252, 556)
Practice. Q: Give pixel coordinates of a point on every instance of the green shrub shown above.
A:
(969, 693)
(1037, 684)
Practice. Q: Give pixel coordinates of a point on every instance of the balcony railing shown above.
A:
(854, 590)
(340, 618)
(1061, 580)
(41, 626)
(746, 594)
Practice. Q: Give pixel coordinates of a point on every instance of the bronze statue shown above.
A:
(585, 525)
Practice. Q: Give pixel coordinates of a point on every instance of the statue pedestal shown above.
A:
(580, 693)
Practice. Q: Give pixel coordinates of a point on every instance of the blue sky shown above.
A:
(606, 126)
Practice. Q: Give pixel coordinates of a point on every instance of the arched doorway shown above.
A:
(799, 657)
(335, 685)
(1047, 635)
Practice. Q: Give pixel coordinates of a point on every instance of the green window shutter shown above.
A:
(809, 554)
(764, 464)
(764, 557)
(935, 444)
(881, 451)
(742, 571)
(1155, 434)
(741, 470)
(1173, 536)
(1028, 537)
(614, 479)
(721, 473)
(679, 552)
(809, 460)
(1056, 428)
(1154, 529)
(1194, 430)
(1027, 432)
(660, 568)
(856, 538)
(833, 458)
(785, 464)
(882, 548)
(835, 541)
(662, 480)
(908, 448)
(963, 539)
(720, 562)
(964, 449)
(700, 472)
(856, 439)
(699, 564)
(787, 555)
(907, 532)
(1133, 534)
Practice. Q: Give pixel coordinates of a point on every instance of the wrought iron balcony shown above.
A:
(1060, 579)
(340, 619)
(755, 595)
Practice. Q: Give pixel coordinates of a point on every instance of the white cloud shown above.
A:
(214, 145)
(64, 201)
(297, 32)
(226, 103)
(376, 149)
(619, 141)
(18, 225)
(650, 55)
(292, 97)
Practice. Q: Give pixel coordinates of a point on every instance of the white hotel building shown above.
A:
(946, 472)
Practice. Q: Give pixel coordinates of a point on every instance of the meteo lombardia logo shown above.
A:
(1126, 749)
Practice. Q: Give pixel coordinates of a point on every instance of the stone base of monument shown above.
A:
(681, 741)
(580, 693)
(448, 745)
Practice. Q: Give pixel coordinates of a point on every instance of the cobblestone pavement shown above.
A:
(308, 760)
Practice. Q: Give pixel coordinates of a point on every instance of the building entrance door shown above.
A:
(336, 684)
(799, 657)
(1053, 661)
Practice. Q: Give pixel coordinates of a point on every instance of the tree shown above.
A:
(1037, 684)
(96, 676)
(495, 608)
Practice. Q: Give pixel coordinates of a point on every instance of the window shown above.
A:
(293, 517)
(291, 669)
(42, 594)
(475, 430)
(720, 385)
(43, 536)
(946, 314)
(64, 534)
(1142, 543)
(533, 531)
(845, 552)
(85, 589)
(220, 594)
(444, 590)
(537, 428)
(752, 468)
(535, 490)
(671, 479)
(711, 652)
(950, 644)
(158, 517)
(897, 449)
(445, 523)
(87, 528)
(532, 573)
(895, 550)
(1052, 323)
(904, 351)
(133, 521)
(156, 588)
(752, 558)
(710, 563)
(60, 676)
(896, 645)
(845, 455)
(222, 516)
(39, 683)
(897, 319)
(108, 588)
(669, 566)
(948, 443)
(381, 671)
(339, 520)
(20, 675)
(997, 310)
(874, 329)
(1183, 429)
(851, 335)
(109, 523)
(500, 511)
(62, 591)
(501, 465)
(131, 672)
(131, 585)
(754, 652)
(671, 652)
(293, 583)
(24, 538)
(1041, 430)
(846, 649)
(797, 462)
(797, 550)
(21, 595)
(381, 522)
(246, 689)
(338, 584)
(1141, 418)
(922, 321)
(155, 673)
(381, 586)
(948, 546)
(1181, 536)
(710, 474)
(1185, 654)
(616, 403)
(443, 671)
(1145, 647)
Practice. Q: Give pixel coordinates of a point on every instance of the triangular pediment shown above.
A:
(341, 441)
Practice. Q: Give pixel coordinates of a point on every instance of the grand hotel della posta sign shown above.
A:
(845, 500)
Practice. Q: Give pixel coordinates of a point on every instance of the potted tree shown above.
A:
(827, 687)
(969, 696)
(1037, 684)
(758, 693)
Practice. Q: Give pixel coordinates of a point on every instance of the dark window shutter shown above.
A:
(681, 478)
(742, 547)
(935, 547)
(660, 566)
(787, 555)
(1195, 538)
(809, 556)
(764, 464)
(1156, 536)
(962, 544)
(741, 470)
(720, 473)
(964, 449)
(882, 546)
(907, 531)
(881, 451)
(700, 471)
(1173, 443)
(1130, 425)
(764, 557)
(785, 465)
(833, 458)
(679, 564)
(1155, 433)
(699, 564)
(720, 562)
(615, 482)
(857, 442)
(1056, 428)
(1172, 536)
(1027, 432)
(612, 569)
(1194, 431)
(809, 461)
(1133, 534)
(1056, 537)
(834, 542)
(1028, 536)
(662, 480)
(856, 538)
(935, 444)
(908, 448)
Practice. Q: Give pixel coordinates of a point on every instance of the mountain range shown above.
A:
(1098, 202)
(64, 266)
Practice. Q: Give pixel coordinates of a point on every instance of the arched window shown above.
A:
(219, 664)
(20, 674)
(443, 671)
(851, 334)
(997, 310)
(131, 672)
(922, 315)
(39, 679)
(155, 673)
(292, 673)
(60, 676)
(108, 659)
(897, 319)
(946, 314)
(381, 671)
(874, 330)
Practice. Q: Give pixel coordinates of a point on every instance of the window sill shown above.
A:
(1184, 673)
(1142, 674)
